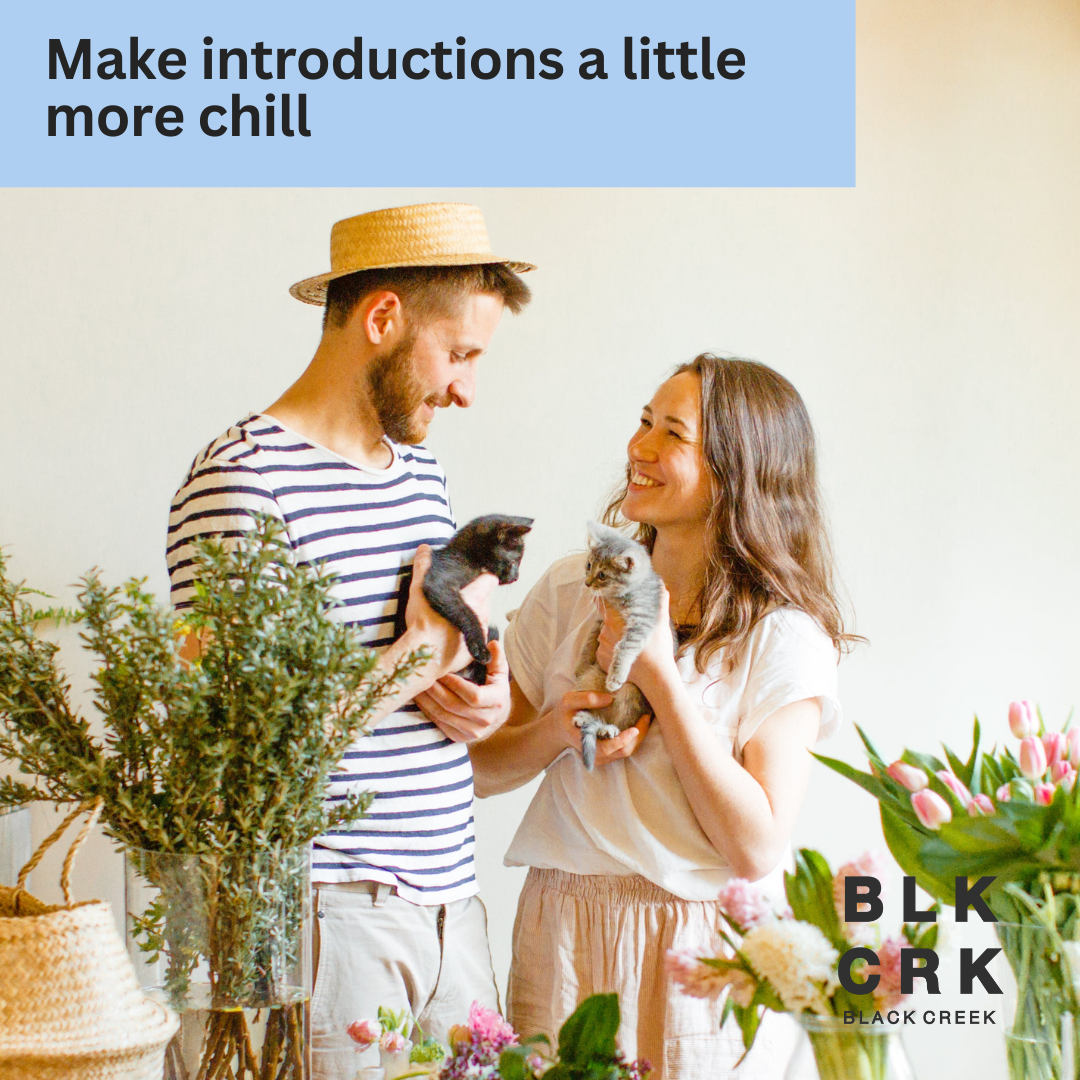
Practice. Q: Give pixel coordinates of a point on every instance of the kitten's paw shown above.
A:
(582, 718)
(607, 731)
(613, 682)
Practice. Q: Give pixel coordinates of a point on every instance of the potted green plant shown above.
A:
(212, 775)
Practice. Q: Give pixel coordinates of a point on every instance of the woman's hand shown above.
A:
(655, 665)
(623, 745)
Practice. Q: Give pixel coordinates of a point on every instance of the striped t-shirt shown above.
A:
(364, 525)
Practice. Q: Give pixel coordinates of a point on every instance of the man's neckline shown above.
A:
(395, 456)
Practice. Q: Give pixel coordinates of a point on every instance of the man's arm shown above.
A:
(426, 629)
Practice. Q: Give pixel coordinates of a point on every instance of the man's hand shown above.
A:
(465, 712)
(428, 627)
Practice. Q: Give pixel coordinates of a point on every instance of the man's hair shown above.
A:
(426, 292)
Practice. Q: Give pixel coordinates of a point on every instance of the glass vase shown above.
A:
(1041, 998)
(829, 1049)
(224, 940)
(15, 849)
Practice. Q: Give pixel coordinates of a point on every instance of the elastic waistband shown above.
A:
(617, 888)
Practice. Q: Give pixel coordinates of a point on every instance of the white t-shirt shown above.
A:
(631, 816)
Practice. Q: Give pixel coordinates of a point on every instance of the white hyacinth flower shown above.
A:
(797, 959)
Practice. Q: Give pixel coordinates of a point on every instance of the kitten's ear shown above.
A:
(593, 528)
(625, 563)
(509, 533)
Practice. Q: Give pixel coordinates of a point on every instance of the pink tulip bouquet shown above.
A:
(1012, 814)
(786, 959)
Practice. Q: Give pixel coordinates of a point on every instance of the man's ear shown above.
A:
(380, 315)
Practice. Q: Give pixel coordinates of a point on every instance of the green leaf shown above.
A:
(589, 1033)
(905, 842)
(512, 1064)
(810, 894)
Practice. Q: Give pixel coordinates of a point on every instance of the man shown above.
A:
(412, 300)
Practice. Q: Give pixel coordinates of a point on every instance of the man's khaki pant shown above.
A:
(373, 948)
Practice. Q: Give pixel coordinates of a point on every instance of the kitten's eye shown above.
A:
(602, 576)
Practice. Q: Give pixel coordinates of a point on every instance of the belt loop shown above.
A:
(382, 891)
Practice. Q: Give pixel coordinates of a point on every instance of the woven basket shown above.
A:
(70, 1005)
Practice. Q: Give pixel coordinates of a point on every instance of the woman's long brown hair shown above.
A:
(765, 539)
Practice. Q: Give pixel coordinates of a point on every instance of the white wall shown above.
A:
(929, 317)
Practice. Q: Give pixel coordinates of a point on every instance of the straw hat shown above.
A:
(430, 234)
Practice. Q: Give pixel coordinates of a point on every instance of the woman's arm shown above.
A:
(747, 811)
(527, 743)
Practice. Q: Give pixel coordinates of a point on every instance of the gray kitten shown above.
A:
(618, 570)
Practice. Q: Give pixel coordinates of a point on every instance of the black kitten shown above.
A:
(492, 544)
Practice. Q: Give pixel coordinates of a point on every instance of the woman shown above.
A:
(626, 861)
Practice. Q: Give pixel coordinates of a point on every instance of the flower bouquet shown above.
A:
(787, 960)
(1012, 815)
(212, 776)
(400, 1056)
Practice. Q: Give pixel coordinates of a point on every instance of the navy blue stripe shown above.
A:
(363, 575)
(401, 871)
(414, 793)
(357, 508)
(222, 511)
(386, 549)
(400, 815)
(231, 490)
(226, 446)
(223, 534)
(405, 851)
(329, 489)
(393, 774)
(405, 834)
(411, 885)
(370, 598)
(377, 527)
(401, 730)
(362, 755)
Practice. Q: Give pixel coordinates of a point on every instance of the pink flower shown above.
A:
(908, 775)
(931, 809)
(887, 994)
(955, 785)
(1022, 719)
(364, 1032)
(1044, 794)
(704, 981)
(486, 1025)
(1003, 793)
(1072, 741)
(1032, 757)
(745, 903)
(981, 806)
(1055, 746)
(1059, 770)
(869, 864)
(1068, 780)
(393, 1042)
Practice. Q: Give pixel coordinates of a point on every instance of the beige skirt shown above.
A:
(578, 935)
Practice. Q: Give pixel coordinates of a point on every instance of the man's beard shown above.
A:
(396, 395)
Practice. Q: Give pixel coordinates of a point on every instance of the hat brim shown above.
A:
(312, 290)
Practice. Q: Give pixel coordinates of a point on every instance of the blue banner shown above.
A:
(493, 94)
